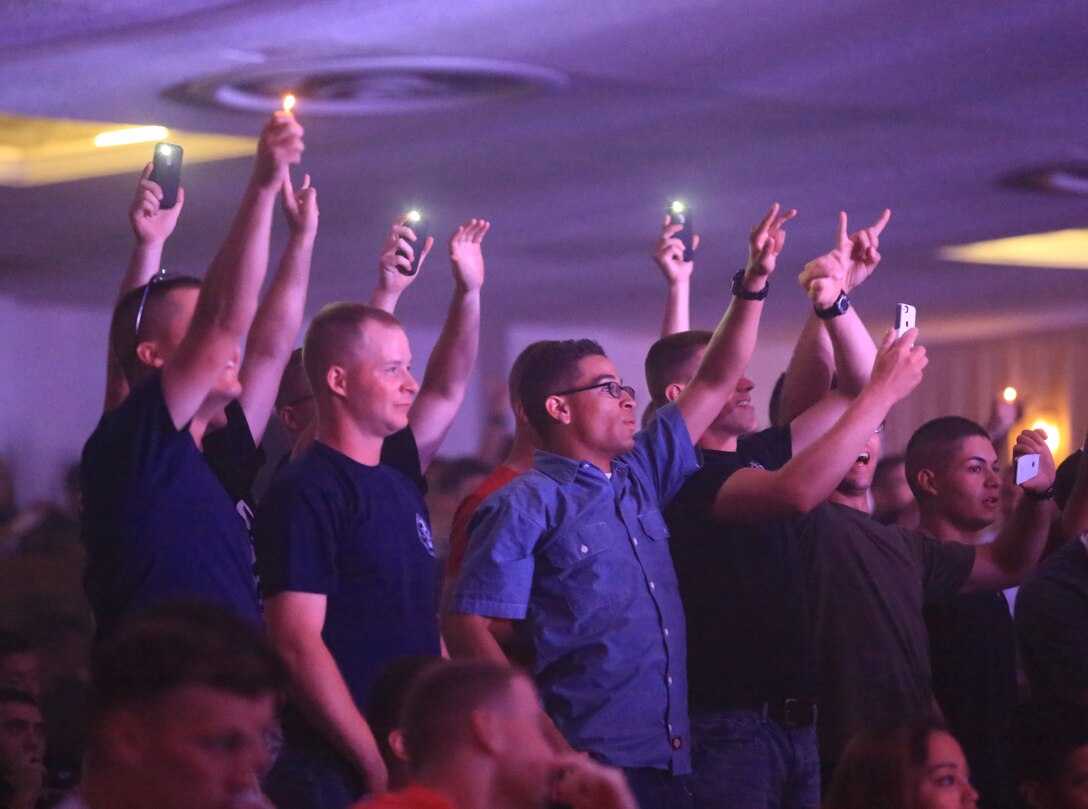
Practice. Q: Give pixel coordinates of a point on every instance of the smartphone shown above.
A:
(680, 214)
(1027, 467)
(166, 171)
(419, 227)
(905, 316)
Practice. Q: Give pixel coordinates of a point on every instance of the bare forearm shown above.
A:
(234, 279)
(321, 693)
(454, 356)
(469, 636)
(809, 374)
(146, 260)
(854, 351)
(384, 299)
(275, 327)
(677, 309)
(1020, 544)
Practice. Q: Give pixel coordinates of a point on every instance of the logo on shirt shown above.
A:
(755, 465)
(424, 532)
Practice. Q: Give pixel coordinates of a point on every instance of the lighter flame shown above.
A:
(288, 102)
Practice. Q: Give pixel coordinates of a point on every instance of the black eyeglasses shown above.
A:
(159, 276)
(613, 389)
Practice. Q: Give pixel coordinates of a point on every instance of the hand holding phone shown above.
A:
(1027, 467)
(680, 214)
(905, 317)
(419, 227)
(166, 171)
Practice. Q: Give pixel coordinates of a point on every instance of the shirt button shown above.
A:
(666, 633)
(653, 586)
(677, 742)
(634, 541)
(584, 549)
(668, 680)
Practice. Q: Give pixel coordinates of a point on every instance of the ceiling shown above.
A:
(921, 106)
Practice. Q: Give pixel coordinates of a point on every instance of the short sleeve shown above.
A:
(400, 452)
(945, 566)
(663, 453)
(497, 573)
(294, 534)
(134, 434)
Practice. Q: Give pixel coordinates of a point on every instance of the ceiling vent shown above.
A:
(1064, 178)
(355, 86)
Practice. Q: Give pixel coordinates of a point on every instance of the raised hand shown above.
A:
(396, 258)
(585, 784)
(466, 254)
(280, 146)
(858, 253)
(300, 207)
(766, 241)
(668, 253)
(151, 223)
(1034, 441)
(899, 364)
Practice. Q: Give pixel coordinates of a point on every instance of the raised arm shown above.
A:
(813, 473)
(294, 622)
(228, 296)
(840, 348)
(397, 254)
(668, 254)
(1075, 514)
(1005, 561)
(731, 347)
(450, 366)
(275, 327)
(152, 226)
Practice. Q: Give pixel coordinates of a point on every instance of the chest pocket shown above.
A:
(653, 523)
(657, 554)
(590, 567)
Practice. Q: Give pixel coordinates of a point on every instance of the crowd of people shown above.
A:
(697, 613)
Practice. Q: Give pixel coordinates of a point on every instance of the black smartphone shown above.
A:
(419, 227)
(680, 214)
(166, 171)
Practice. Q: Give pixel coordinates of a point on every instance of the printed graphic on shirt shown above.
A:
(424, 532)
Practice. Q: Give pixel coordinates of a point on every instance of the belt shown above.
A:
(791, 714)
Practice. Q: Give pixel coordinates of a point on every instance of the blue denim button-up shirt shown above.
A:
(584, 559)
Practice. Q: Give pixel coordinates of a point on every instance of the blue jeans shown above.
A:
(744, 760)
(658, 789)
(305, 779)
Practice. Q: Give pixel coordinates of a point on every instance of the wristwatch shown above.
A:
(742, 293)
(841, 304)
(1049, 494)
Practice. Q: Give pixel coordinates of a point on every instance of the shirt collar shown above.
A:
(563, 470)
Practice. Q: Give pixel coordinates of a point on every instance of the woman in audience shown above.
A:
(919, 765)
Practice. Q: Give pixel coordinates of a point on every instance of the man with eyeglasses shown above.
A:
(166, 472)
(576, 550)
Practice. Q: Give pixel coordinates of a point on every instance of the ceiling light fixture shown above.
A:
(1061, 249)
(133, 134)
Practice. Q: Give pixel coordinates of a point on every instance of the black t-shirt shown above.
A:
(866, 585)
(235, 459)
(973, 655)
(1052, 623)
(157, 522)
(742, 588)
(359, 535)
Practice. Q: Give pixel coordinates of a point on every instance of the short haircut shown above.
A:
(552, 366)
(673, 359)
(14, 695)
(13, 643)
(438, 708)
(294, 385)
(157, 308)
(332, 335)
(517, 370)
(178, 644)
(1044, 733)
(387, 696)
(879, 767)
(934, 443)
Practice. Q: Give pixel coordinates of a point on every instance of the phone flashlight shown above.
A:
(1009, 394)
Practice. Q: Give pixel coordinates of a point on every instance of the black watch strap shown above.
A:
(1049, 494)
(840, 306)
(742, 293)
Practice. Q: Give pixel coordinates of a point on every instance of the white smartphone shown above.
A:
(905, 316)
(1027, 467)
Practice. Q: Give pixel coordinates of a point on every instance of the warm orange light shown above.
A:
(1009, 394)
(1053, 435)
(288, 102)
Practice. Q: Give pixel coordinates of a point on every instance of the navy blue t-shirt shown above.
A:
(742, 587)
(157, 522)
(359, 535)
